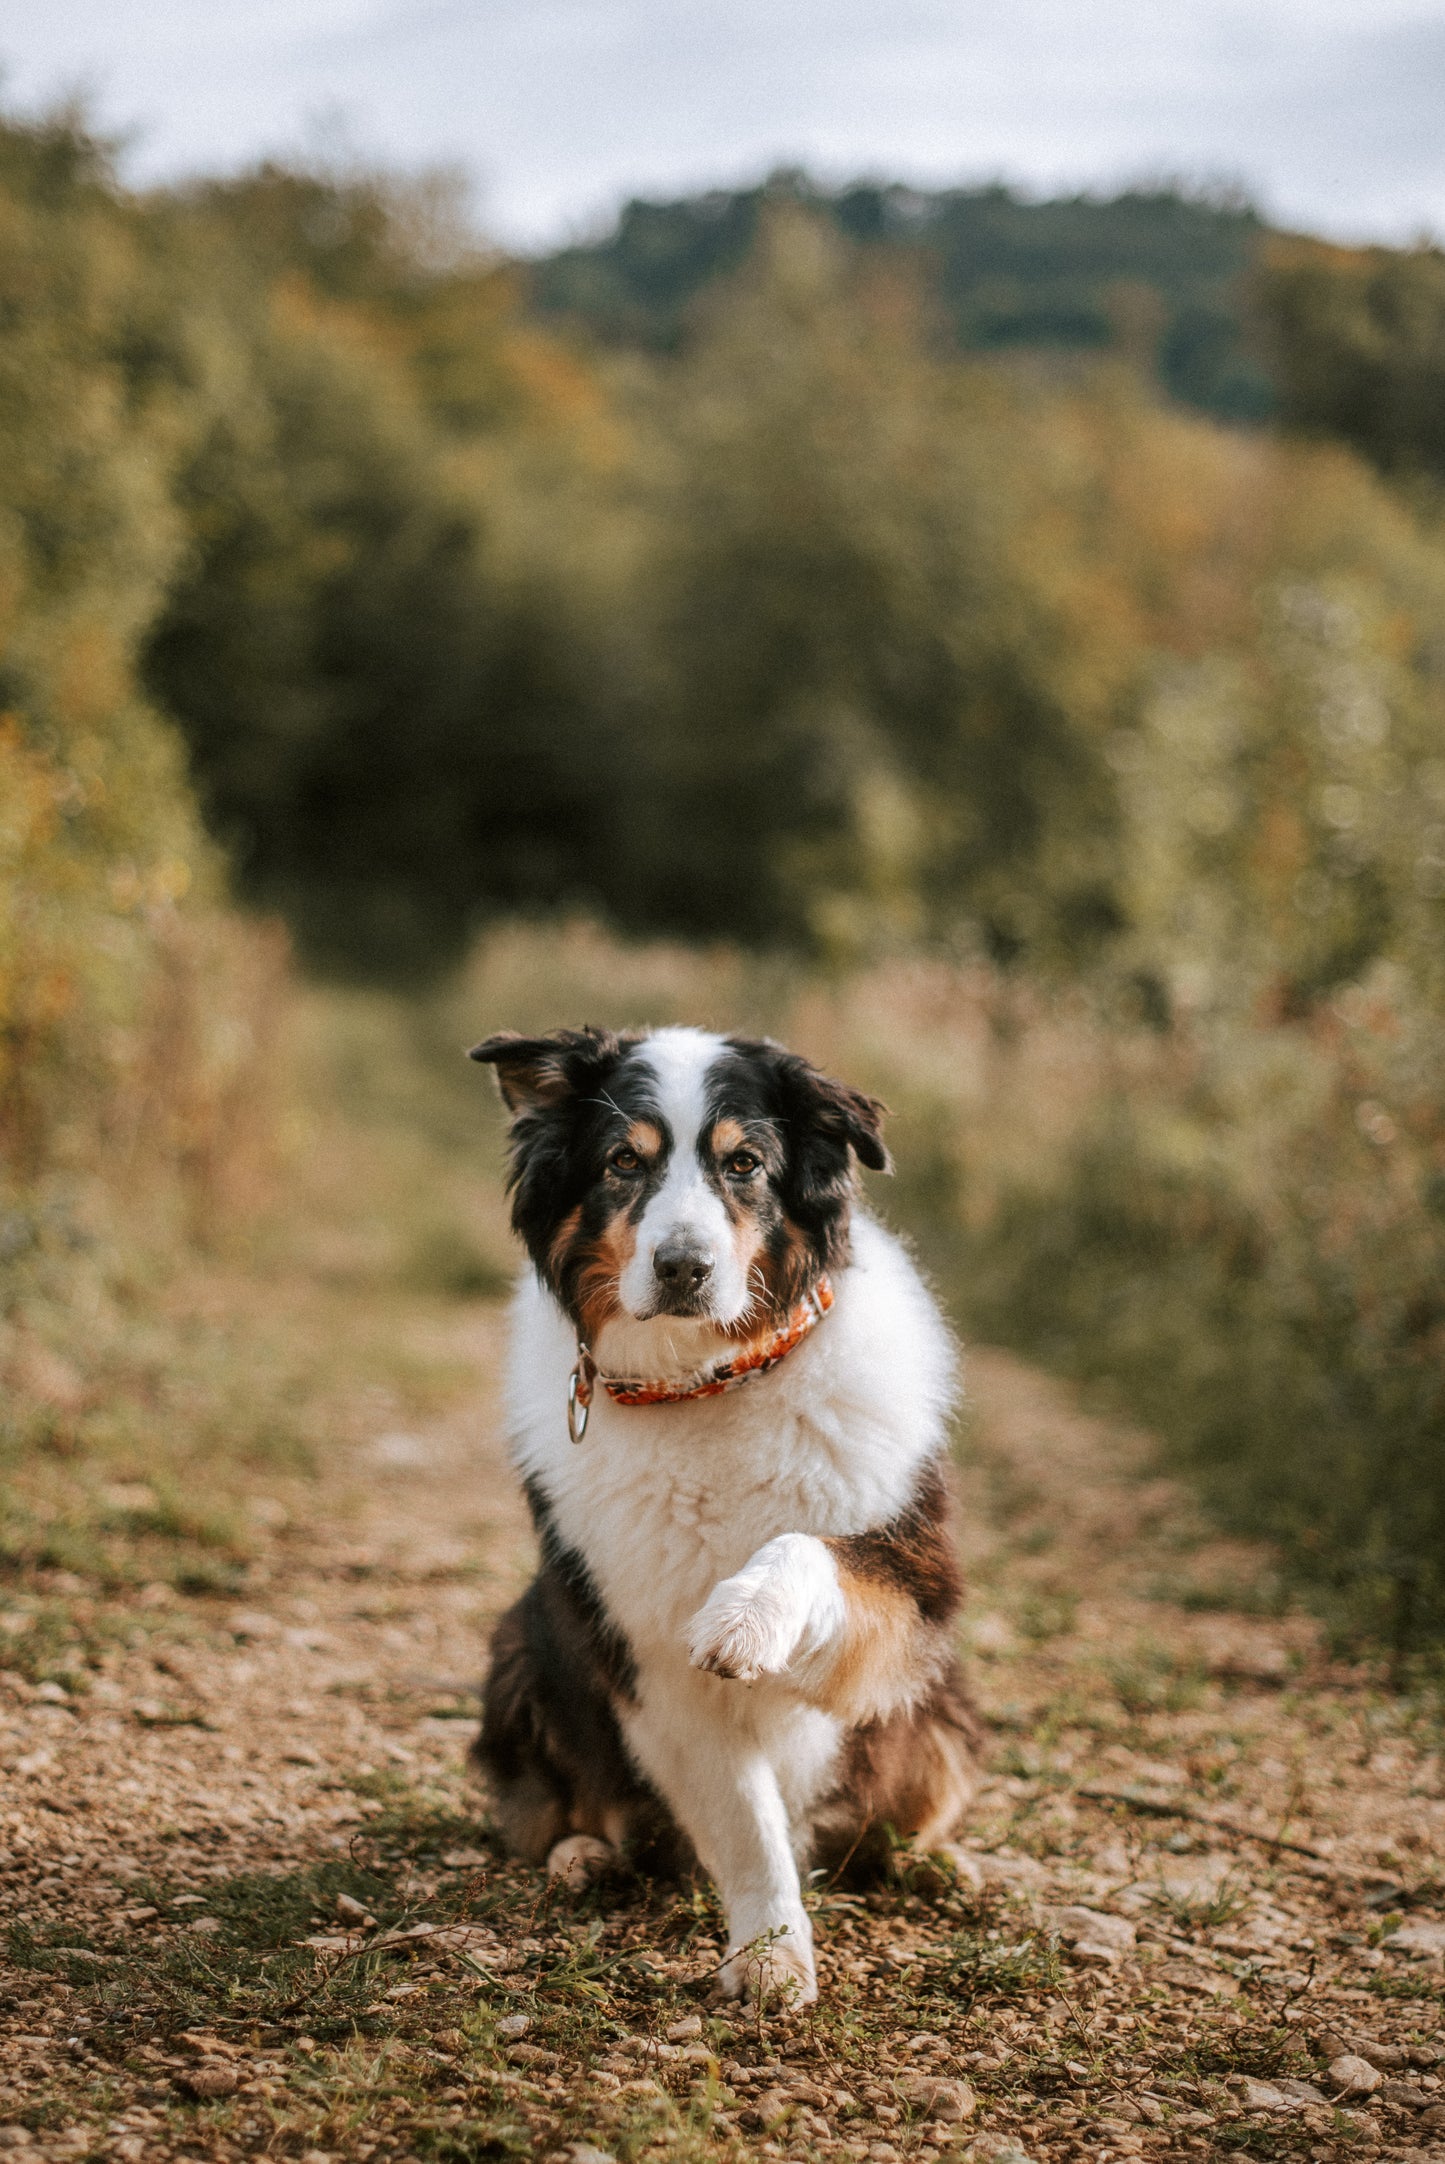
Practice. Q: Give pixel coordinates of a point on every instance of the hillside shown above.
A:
(1152, 270)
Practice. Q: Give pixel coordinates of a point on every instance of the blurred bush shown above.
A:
(1356, 341)
(134, 1017)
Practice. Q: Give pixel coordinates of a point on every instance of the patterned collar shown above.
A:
(754, 1360)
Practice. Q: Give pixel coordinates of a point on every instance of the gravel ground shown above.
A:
(253, 1907)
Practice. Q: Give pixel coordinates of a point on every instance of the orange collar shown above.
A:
(755, 1360)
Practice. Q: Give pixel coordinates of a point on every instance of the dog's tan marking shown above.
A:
(645, 1138)
(728, 1136)
(910, 1777)
(787, 1270)
(560, 1243)
(596, 1295)
(885, 1658)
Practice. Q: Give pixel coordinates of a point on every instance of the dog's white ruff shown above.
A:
(701, 1524)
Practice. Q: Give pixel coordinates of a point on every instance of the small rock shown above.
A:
(248, 1623)
(583, 2152)
(317, 2156)
(935, 2096)
(1253, 2095)
(1205, 1983)
(1422, 1936)
(16, 2137)
(204, 1924)
(999, 2149)
(1091, 1927)
(767, 2111)
(1009, 1871)
(1404, 2094)
(354, 1912)
(302, 1754)
(1281, 2095)
(511, 2026)
(1352, 2075)
(682, 2032)
(211, 2078)
(577, 1860)
(531, 2055)
(1433, 2118)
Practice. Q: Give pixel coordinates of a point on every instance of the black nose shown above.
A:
(682, 1265)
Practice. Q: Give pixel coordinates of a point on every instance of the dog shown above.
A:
(729, 1394)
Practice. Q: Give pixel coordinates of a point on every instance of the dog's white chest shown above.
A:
(660, 1509)
(662, 1501)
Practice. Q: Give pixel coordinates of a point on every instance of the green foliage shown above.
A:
(131, 1015)
(861, 714)
(1356, 337)
(1154, 273)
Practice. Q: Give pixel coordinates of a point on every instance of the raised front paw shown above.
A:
(744, 1630)
(776, 1969)
(783, 1603)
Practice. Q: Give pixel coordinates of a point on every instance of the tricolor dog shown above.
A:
(729, 1394)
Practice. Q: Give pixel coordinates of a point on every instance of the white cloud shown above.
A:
(1334, 110)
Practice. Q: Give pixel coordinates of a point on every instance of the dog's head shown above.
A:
(678, 1174)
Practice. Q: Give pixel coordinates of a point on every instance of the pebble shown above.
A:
(1352, 2075)
(935, 2096)
(511, 2026)
(1423, 1936)
(1096, 1938)
(1283, 2095)
(768, 2110)
(211, 2078)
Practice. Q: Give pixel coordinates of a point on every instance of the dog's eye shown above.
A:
(624, 1161)
(742, 1165)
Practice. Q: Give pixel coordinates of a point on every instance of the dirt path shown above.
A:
(1194, 1837)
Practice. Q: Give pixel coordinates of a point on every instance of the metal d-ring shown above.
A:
(579, 1393)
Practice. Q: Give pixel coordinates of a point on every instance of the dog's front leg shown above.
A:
(725, 1795)
(846, 1635)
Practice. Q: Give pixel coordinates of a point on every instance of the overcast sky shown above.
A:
(1332, 112)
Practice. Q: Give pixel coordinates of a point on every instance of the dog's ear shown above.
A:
(535, 1073)
(846, 1115)
(825, 1119)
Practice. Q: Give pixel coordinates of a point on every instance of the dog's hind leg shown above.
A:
(904, 1784)
(555, 1763)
